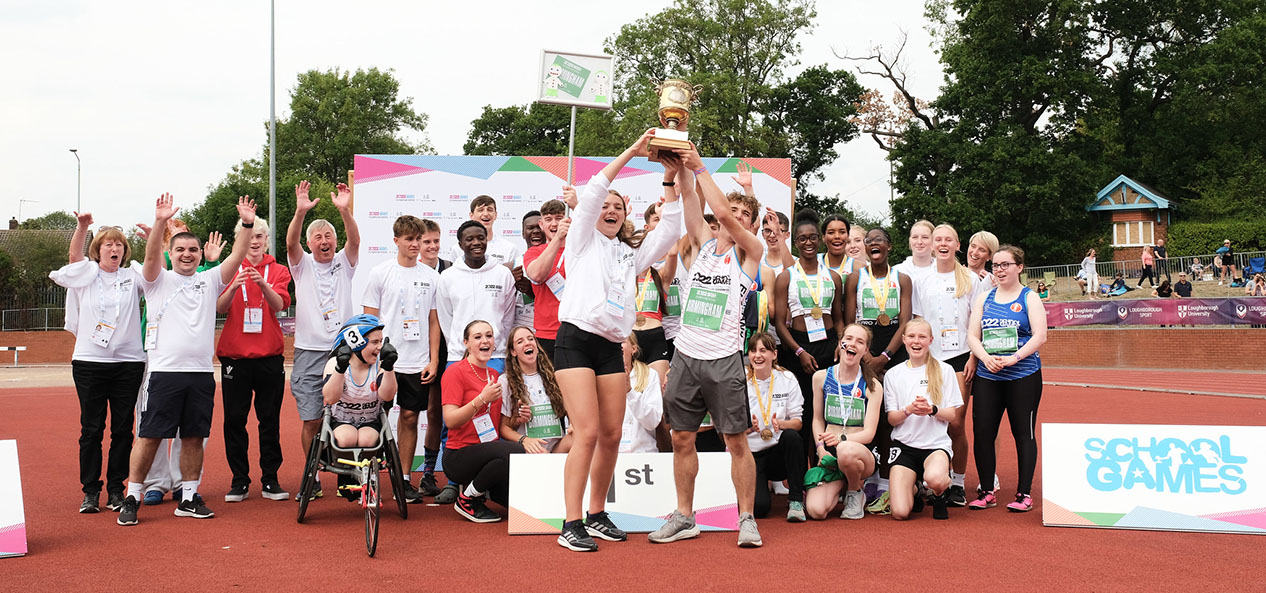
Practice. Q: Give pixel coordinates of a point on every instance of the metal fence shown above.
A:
(32, 319)
(1065, 275)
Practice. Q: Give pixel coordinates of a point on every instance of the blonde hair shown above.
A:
(962, 276)
(986, 238)
(932, 367)
(261, 224)
(926, 223)
(641, 372)
(109, 234)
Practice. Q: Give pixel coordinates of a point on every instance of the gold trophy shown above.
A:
(675, 98)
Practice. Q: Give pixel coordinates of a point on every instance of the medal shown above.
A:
(816, 312)
(881, 298)
(766, 434)
(815, 296)
(883, 319)
(640, 321)
(766, 408)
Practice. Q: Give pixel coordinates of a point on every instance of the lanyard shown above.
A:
(880, 302)
(417, 297)
(261, 291)
(163, 310)
(325, 290)
(487, 379)
(858, 381)
(766, 407)
(642, 287)
(843, 269)
(816, 296)
(101, 297)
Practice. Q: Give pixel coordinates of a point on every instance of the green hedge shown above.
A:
(1199, 238)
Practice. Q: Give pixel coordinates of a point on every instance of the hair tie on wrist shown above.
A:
(669, 183)
(246, 225)
(701, 170)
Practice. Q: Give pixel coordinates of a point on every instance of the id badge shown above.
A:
(556, 284)
(615, 302)
(412, 329)
(816, 328)
(151, 335)
(102, 333)
(951, 338)
(253, 320)
(485, 429)
(330, 317)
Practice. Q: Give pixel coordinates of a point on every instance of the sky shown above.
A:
(163, 96)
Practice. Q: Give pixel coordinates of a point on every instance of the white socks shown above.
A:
(134, 489)
(956, 479)
(471, 492)
(188, 489)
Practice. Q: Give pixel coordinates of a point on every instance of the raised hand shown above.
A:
(237, 282)
(342, 358)
(165, 208)
(774, 423)
(490, 392)
(671, 163)
(525, 413)
(143, 230)
(254, 276)
(215, 246)
(302, 203)
(387, 355)
(690, 157)
(744, 177)
(84, 218)
(771, 220)
(342, 198)
(246, 209)
(639, 146)
(562, 229)
(569, 196)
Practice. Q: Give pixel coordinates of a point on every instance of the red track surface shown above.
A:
(1185, 381)
(256, 544)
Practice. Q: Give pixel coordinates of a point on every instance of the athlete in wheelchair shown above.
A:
(355, 441)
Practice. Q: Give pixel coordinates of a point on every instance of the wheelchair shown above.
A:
(363, 464)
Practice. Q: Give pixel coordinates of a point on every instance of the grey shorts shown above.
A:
(305, 382)
(699, 387)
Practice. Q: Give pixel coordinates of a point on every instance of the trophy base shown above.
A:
(666, 140)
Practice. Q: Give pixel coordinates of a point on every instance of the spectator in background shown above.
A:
(1149, 261)
(1043, 291)
(1227, 264)
(1197, 270)
(1257, 287)
(1183, 287)
(1162, 259)
(1089, 275)
(1164, 291)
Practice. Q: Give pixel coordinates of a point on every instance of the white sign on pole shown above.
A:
(12, 515)
(578, 80)
(642, 493)
(1162, 477)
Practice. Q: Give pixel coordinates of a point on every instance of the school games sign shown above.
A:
(1161, 477)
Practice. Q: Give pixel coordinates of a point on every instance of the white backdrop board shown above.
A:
(12, 514)
(1161, 477)
(642, 493)
(441, 187)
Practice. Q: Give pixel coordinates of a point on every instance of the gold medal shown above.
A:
(883, 319)
(766, 434)
(816, 312)
(640, 321)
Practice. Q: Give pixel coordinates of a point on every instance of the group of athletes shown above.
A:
(823, 366)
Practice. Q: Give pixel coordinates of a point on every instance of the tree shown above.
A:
(53, 220)
(524, 130)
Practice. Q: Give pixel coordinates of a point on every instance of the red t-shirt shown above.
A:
(462, 383)
(234, 342)
(545, 314)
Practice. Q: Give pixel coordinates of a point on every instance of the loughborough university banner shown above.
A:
(1161, 477)
(441, 187)
(1224, 311)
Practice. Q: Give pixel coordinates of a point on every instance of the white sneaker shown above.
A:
(780, 489)
(854, 505)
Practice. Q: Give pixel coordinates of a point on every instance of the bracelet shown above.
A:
(886, 355)
(799, 351)
(935, 409)
(669, 183)
(701, 170)
(247, 226)
(521, 437)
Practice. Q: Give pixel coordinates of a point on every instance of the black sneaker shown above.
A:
(448, 495)
(940, 506)
(600, 525)
(114, 501)
(917, 507)
(91, 503)
(237, 493)
(576, 538)
(194, 508)
(127, 512)
(474, 509)
(274, 491)
(411, 494)
(956, 496)
(427, 486)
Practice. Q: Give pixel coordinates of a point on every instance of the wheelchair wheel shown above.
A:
(310, 478)
(371, 499)
(396, 474)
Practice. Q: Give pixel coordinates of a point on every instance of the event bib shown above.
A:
(544, 424)
(870, 308)
(1001, 340)
(151, 336)
(845, 410)
(673, 302)
(704, 308)
(806, 295)
(649, 302)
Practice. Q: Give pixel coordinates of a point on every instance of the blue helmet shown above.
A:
(355, 330)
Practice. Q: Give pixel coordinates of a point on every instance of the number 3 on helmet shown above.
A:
(354, 331)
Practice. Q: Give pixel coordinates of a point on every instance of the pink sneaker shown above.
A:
(1023, 504)
(984, 500)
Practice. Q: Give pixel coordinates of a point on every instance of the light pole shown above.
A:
(79, 178)
(272, 126)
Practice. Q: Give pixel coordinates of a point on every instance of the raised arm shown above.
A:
(164, 210)
(662, 237)
(81, 233)
(294, 232)
(343, 201)
(712, 194)
(241, 242)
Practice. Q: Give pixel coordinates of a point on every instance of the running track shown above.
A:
(256, 544)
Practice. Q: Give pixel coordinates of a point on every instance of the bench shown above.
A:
(16, 350)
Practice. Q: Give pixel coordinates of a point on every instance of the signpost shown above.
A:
(576, 80)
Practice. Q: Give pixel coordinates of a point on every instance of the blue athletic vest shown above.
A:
(996, 319)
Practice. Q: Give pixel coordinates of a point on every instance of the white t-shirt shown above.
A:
(917, 275)
(183, 310)
(543, 421)
(103, 308)
(404, 298)
(948, 315)
(786, 403)
(321, 291)
(499, 250)
(902, 385)
(643, 411)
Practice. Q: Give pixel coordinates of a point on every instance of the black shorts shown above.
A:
(833, 450)
(546, 346)
(374, 424)
(411, 394)
(576, 348)
(958, 362)
(905, 456)
(653, 344)
(178, 400)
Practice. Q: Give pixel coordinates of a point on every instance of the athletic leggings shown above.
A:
(486, 465)
(1019, 398)
(784, 461)
(823, 352)
(1147, 275)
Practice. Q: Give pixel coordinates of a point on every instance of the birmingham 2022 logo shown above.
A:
(1165, 465)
